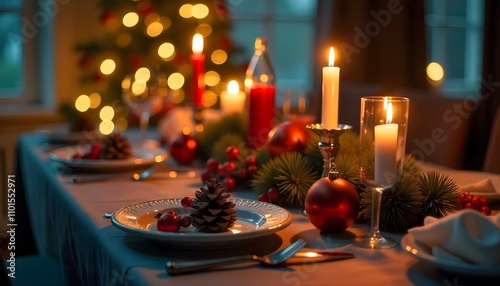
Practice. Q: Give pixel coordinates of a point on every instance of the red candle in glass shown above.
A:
(198, 61)
(261, 113)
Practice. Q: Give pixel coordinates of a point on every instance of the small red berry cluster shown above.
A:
(468, 201)
(272, 195)
(233, 171)
(171, 222)
(92, 154)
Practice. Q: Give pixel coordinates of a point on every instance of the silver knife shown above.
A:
(317, 256)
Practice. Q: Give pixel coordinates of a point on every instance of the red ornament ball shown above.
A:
(287, 137)
(332, 205)
(184, 149)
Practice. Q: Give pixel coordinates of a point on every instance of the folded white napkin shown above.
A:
(466, 235)
(482, 188)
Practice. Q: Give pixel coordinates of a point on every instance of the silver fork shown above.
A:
(181, 267)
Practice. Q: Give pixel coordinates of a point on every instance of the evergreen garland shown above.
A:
(219, 148)
(440, 194)
(291, 173)
(231, 124)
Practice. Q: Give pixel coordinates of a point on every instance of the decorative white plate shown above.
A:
(59, 133)
(254, 219)
(424, 254)
(143, 159)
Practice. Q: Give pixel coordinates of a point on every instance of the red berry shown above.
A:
(94, 152)
(206, 176)
(229, 183)
(273, 194)
(77, 155)
(185, 221)
(251, 160)
(168, 222)
(252, 169)
(186, 202)
(469, 198)
(469, 206)
(229, 166)
(212, 164)
(263, 198)
(484, 202)
(476, 202)
(243, 174)
(463, 196)
(232, 153)
(485, 210)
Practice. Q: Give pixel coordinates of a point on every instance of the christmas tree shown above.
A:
(156, 34)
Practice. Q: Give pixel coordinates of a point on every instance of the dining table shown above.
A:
(66, 220)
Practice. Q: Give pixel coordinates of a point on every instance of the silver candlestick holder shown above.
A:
(329, 144)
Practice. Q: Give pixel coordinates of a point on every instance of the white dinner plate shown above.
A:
(424, 254)
(59, 133)
(142, 159)
(254, 219)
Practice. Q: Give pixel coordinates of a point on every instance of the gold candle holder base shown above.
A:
(329, 144)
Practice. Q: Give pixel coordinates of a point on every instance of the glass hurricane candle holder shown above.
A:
(383, 126)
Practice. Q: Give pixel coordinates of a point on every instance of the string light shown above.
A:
(186, 11)
(130, 19)
(82, 103)
(95, 100)
(154, 29)
(212, 78)
(166, 50)
(176, 81)
(199, 11)
(108, 66)
(107, 113)
(219, 57)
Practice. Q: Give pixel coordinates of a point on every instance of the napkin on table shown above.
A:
(466, 235)
(483, 188)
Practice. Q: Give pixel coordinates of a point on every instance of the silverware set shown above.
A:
(287, 256)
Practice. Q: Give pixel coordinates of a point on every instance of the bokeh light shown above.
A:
(108, 66)
(209, 98)
(82, 103)
(123, 40)
(154, 29)
(219, 57)
(95, 100)
(212, 78)
(151, 18)
(435, 71)
(166, 50)
(107, 113)
(204, 29)
(130, 19)
(142, 74)
(106, 127)
(199, 11)
(186, 11)
(176, 81)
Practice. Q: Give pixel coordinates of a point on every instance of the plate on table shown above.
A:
(142, 160)
(424, 254)
(60, 133)
(254, 219)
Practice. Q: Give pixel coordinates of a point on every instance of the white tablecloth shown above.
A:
(67, 224)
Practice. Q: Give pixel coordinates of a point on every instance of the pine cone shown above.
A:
(210, 209)
(116, 146)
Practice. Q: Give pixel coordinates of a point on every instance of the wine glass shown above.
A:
(296, 108)
(383, 126)
(144, 93)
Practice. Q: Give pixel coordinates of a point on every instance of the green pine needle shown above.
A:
(440, 194)
(234, 123)
(219, 149)
(400, 208)
(291, 173)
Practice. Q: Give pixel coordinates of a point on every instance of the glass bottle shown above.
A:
(261, 92)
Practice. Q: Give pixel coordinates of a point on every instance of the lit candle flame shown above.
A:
(233, 87)
(389, 113)
(331, 58)
(197, 43)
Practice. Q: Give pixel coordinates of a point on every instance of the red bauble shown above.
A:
(287, 137)
(332, 205)
(184, 149)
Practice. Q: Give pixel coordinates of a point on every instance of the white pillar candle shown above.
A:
(232, 100)
(386, 146)
(330, 91)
